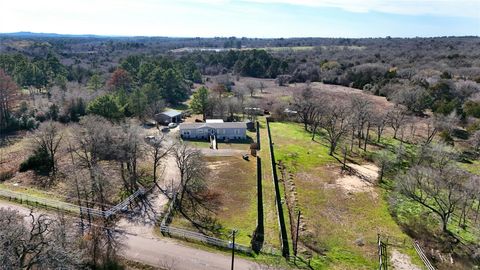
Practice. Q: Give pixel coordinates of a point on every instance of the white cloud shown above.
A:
(456, 8)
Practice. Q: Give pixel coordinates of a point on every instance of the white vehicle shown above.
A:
(172, 125)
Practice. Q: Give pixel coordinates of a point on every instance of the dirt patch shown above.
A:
(368, 171)
(355, 183)
(214, 165)
(401, 261)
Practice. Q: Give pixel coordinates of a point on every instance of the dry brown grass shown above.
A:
(20, 148)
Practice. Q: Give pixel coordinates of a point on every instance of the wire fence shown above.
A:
(186, 234)
(422, 255)
(70, 207)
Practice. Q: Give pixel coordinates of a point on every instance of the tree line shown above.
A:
(431, 175)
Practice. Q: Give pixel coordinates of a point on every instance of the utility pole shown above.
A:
(233, 247)
(296, 237)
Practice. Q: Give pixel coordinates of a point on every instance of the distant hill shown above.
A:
(53, 35)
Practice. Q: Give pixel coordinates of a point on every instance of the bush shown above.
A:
(446, 138)
(5, 175)
(39, 161)
(40, 116)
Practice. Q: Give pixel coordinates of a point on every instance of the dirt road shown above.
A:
(140, 244)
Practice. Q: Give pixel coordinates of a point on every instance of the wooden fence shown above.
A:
(422, 255)
(195, 236)
(70, 207)
(382, 254)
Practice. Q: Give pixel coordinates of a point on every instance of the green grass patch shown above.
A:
(232, 180)
(473, 167)
(31, 192)
(294, 146)
(335, 218)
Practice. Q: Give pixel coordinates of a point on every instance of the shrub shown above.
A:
(39, 161)
(40, 116)
(5, 175)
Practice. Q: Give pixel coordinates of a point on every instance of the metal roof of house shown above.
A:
(214, 121)
(171, 113)
(213, 125)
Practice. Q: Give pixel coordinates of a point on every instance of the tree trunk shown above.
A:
(382, 171)
(478, 210)
(360, 135)
(445, 219)
(366, 138)
(332, 148)
(353, 139)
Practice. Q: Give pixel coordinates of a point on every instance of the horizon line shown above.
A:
(222, 37)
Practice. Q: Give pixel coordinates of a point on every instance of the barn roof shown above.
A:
(171, 113)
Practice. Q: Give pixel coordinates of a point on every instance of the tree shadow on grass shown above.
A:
(201, 211)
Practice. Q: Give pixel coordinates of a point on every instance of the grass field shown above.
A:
(233, 180)
(336, 220)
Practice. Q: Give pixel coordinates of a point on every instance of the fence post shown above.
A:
(258, 135)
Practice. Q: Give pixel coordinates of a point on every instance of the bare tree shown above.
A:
(385, 161)
(261, 85)
(283, 79)
(158, 150)
(130, 150)
(94, 143)
(48, 137)
(251, 87)
(435, 183)
(335, 122)
(447, 124)
(432, 130)
(475, 185)
(316, 120)
(475, 141)
(96, 140)
(219, 89)
(415, 99)
(233, 107)
(396, 119)
(189, 200)
(379, 120)
(37, 241)
(9, 94)
(361, 109)
(304, 104)
(192, 171)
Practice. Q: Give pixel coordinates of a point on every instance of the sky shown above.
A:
(244, 18)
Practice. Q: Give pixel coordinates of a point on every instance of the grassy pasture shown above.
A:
(335, 219)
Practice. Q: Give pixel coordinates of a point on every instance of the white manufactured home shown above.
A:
(222, 131)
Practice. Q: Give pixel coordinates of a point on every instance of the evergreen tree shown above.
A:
(200, 102)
